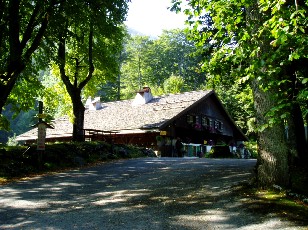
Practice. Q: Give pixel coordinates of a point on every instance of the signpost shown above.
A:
(41, 133)
(41, 126)
(41, 136)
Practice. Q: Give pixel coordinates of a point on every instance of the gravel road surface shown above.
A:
(147, 193)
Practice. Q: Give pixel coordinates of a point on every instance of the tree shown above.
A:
(23, 26)
(173, 54)
(289, 42)
(238, 101)
(174, 84)
(134, 69)
(151, 62)
(86, 49)
(18, 123)
(243, 37)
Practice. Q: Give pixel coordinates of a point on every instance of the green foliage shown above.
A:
(152, 62)
(210, 153)
(246, 38)
(4, 123)
(23, 26)
(32, 44)
(238, 101)
(134, 70)
(16, 124)
(157, 90)
(15, 160)
(252, 148)
(12, 141)
(263, 44)
(57, 101)
(174, 84)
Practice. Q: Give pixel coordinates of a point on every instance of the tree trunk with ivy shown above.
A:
(272, 167)
(273, 164)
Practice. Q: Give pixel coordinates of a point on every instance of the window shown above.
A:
(206, 122)
(190, 119)
(197, 120)
(219, 125)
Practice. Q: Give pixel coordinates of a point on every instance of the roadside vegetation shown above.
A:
(23, 161)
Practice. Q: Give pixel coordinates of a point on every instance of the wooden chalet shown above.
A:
(197, 117)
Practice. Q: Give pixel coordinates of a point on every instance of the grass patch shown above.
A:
(274, 203)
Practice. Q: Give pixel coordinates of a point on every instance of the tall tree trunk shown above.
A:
(296, 136)
(73, 88)
(272, 167)
(74, 92)
(78, 124)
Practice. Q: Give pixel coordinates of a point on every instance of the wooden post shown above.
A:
(41, 135)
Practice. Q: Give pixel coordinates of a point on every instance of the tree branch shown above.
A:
(91, 65)
(77, 66)
(14, 28)
(30, 26)
(40, 33)
(61, 63)
(2, 22)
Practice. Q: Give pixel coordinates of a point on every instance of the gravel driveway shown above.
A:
(147, 193)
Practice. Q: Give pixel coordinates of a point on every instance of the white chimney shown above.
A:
(97, 103)
(143, 96)
(93, 105)
(88, 103)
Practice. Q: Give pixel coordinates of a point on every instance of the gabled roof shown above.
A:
(122, 116)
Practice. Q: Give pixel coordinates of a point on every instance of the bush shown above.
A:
(252, 148)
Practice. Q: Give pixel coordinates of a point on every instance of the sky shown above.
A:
(150, 17)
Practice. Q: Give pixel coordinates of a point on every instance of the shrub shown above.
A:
(12, 141)
(253, 149)
(23, 160)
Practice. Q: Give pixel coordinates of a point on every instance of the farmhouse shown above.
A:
(198, 118)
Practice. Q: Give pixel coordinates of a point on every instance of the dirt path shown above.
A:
(150, 193)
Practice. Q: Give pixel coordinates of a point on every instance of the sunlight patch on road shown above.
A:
(210, 219)
(118, 196)
(21, 204)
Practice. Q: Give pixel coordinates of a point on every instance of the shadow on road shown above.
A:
(154, 193)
